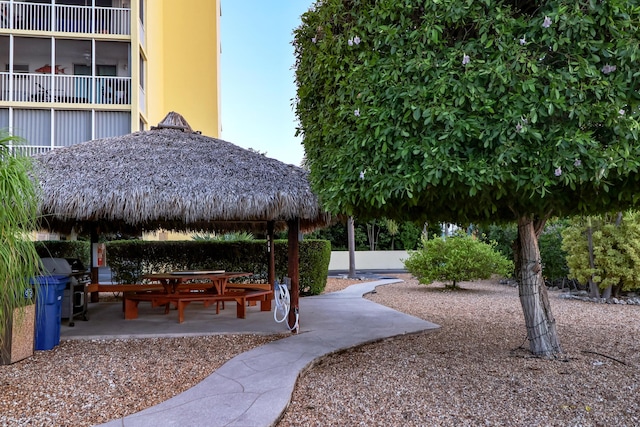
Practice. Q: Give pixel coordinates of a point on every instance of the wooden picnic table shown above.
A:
(194, 279)
(180, 289)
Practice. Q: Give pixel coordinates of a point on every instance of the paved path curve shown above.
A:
(254, 388)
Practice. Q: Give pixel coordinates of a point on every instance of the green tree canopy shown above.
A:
(465, 110)
(470, 110)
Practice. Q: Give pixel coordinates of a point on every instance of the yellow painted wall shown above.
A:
(165, 235)
(183, 68)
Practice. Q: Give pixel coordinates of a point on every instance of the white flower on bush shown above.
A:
(607, 69)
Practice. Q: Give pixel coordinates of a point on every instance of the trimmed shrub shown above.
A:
(455, 259)
(616, 251)
(314, 265)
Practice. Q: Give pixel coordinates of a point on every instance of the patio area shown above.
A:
(106, 320)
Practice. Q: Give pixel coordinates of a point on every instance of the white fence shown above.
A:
(369, 260)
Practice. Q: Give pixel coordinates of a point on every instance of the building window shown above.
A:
(71, 127)
(142, 11)
(142, 72)
(34, 126)
(112, 123)
(18, 68)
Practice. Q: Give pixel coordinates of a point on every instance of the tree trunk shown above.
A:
(351, 242)
(610, 291)
(372, 233)
(617, 290)
(594, 289)
(541, 326)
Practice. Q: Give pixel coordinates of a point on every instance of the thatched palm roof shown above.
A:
(174, 178)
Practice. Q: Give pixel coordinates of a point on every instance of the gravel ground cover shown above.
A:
(83, 383)
(475, 370)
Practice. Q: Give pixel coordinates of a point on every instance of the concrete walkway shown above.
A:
(254, 388)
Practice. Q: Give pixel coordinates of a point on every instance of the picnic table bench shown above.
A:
(137, 287)
(265, 304)
(179, 289)
(181, 299)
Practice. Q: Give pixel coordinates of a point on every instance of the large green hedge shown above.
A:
(65, 249)
(130, 259)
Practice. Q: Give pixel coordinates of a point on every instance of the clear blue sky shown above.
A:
(257, 78)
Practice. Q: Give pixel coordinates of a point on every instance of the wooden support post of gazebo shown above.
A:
(271, 270)
(94, 270)
(293, 268)
(271, 262)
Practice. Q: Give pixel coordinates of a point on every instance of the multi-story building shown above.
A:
(76, 70)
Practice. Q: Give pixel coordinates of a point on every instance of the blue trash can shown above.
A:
(49, 310)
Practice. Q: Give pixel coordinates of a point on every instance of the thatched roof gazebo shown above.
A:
(174, 178)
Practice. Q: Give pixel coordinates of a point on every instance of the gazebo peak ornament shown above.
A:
(174, 120)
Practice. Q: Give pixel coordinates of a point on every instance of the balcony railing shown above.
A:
(64, 18)
(66, 89)
(30, 150)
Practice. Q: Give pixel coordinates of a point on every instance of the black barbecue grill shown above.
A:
(74, 303)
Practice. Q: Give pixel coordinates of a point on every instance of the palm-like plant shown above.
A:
(237, 236)
(19, 260)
